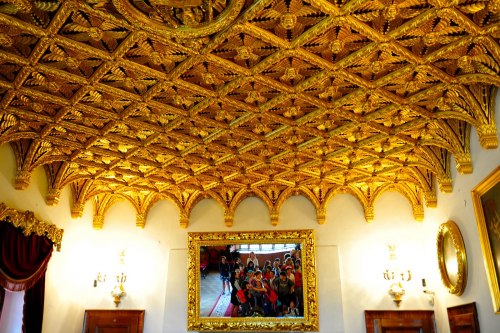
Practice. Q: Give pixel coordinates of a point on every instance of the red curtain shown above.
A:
(23, 262)
(2, 297)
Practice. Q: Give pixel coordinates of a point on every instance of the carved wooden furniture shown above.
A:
(407, 321)
(463, 318)
(113, 321)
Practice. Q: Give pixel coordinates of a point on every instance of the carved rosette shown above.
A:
(180, 18)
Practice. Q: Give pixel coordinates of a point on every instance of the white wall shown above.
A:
(156, 256)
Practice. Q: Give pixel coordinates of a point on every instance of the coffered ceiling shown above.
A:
(182, 100)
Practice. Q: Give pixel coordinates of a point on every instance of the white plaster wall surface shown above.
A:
(157, 257)
(457, 206)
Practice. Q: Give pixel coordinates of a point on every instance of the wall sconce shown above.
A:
(396, 277)
(428, 292)
(99, 279)
(119, 291)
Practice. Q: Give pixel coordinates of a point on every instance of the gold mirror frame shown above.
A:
(307, 323)
(454, 257)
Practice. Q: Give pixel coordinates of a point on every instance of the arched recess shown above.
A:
(363, 198)
(425, 179)
(271, 198)
(440, 159)
(366, 195)
(82, 191)
(225, 198)
(142, 203)
(30, 154)
(59, 174)
(315, 196)
(185, 201)
(238, 197)
(412, 195)
(102, 202)
(456, 139)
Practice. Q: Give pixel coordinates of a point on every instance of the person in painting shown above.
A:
(298, 286)
(284, 289)
(292, 311)
(285, 259)
(249, 277)
(243, 296)
(236, 264)
(258, 289)
(250, 266)
(235, 281)
(224, 271)
(270, 299)
(277, 267)
(289, 273)
(288, 263)
(267, 272)
(253, 258)
(267, 263)
(271, 279)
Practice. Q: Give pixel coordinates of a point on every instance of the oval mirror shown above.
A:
(452, 258)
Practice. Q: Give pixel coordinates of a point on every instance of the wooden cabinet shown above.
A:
(113, 321)
(407, 321)
(463, 318)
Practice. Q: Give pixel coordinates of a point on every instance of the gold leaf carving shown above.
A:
(30, 224)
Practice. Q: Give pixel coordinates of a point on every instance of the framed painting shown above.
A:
(252, 281)
(486, 199)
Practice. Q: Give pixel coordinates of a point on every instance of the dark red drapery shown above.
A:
(23, 262)
(2, 297)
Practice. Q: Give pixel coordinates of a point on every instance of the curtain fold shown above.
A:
(23, 262)
(2, 298)
(33, 300)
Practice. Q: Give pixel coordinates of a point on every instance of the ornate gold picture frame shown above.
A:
(486, 199)
(199, 242)
(452, 258)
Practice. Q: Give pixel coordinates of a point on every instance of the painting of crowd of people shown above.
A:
(272, 288)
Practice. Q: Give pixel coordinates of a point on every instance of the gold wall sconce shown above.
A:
(119, 290)
(99, 279)
(396, 277)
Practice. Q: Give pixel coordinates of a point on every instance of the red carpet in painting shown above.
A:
(222, 308)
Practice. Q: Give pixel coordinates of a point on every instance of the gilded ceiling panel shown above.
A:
(184, 100)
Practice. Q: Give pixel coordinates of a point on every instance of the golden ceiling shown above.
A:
(190, 99)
